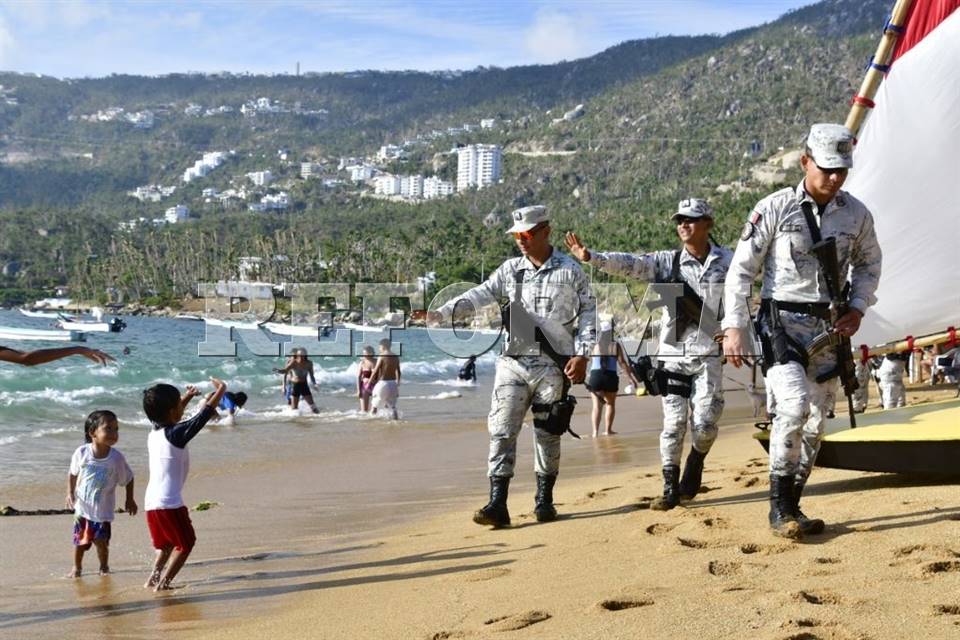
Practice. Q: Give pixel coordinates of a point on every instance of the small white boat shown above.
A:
(45, 314)
(232, 324)
(366, 327)
(186, 316)
(115, 325)
(19, 333)
(282, 329)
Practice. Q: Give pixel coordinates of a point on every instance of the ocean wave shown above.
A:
(443, 395)
(73, 397)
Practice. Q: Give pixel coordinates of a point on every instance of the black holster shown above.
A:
(776, 346)
(559, 413)
(659, 382)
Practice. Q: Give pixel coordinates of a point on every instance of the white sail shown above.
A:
(907, 171)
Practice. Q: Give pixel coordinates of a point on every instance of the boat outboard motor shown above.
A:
(117, 325)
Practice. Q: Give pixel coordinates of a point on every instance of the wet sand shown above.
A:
(355, 542)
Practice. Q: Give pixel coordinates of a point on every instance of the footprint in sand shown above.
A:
(817, 597)
(917, 549)
(620, 604)
(446, 635)
(946, 609)
(693, 544)
(660, 528)
(644, 502)
(724, 569)
(488, 574)
(715, 522)
(826, 560)
(748, 548)
(516, 621)
(752, 482)
(733, 568)
(941, 566)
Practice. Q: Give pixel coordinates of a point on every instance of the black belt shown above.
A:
(819, 310)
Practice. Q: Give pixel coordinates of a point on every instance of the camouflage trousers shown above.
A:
(861, 397)
(519, 383)
(893, 392)
(799, 403)
(700, 411)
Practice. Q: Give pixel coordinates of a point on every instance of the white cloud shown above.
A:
(555, 36)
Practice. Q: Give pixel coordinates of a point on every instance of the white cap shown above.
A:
(830, 146)
(693, 208)
(527, 218)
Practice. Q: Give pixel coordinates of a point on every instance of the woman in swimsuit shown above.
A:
(364, 385)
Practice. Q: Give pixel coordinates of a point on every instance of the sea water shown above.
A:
(43, 408)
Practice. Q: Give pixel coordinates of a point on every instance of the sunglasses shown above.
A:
(842, 171)
(687, 220)
(528, 235)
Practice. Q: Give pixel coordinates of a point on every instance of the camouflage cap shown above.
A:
(693, 208)
(527, 218)
(830, 146)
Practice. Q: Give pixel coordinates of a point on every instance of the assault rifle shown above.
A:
(826, 252)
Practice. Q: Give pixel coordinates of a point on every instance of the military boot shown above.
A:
(807, 525)
(782, 520)
(543, 508)
(671, 489)
(692, 475)
(495, 513)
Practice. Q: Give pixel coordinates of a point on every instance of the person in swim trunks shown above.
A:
(299, 370)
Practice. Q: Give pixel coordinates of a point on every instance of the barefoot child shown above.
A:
(96, 470)
(167, 517)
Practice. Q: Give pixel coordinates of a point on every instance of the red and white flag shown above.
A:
(906, 169)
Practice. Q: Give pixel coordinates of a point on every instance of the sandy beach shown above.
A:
(317, 545)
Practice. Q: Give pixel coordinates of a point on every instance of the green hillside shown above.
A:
(664, 118)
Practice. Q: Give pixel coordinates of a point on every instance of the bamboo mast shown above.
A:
(879, 66)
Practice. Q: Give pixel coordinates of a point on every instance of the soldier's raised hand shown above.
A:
(576, 247)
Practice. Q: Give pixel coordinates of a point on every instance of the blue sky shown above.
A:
(88, 38)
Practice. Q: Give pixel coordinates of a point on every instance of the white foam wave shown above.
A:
(443, 395)
(61, 396)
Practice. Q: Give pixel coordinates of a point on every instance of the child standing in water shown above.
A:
(96, 470)
(386, 380)
(364, 383)
(167, 517)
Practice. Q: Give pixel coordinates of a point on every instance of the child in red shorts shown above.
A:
(167, 516)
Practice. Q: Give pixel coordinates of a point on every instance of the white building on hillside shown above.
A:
(478, 165)
(361, 172)
(261, 178)
(411, 186)
(177, 214)
(390, 152)
(387, 185)
(434, 187)
(210, 161)
(310, 169)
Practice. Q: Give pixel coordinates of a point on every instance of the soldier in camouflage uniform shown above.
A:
(778, 239)
(555, 291)
(893, 393)
(694, 353)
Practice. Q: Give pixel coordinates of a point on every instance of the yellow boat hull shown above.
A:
(920, 439)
